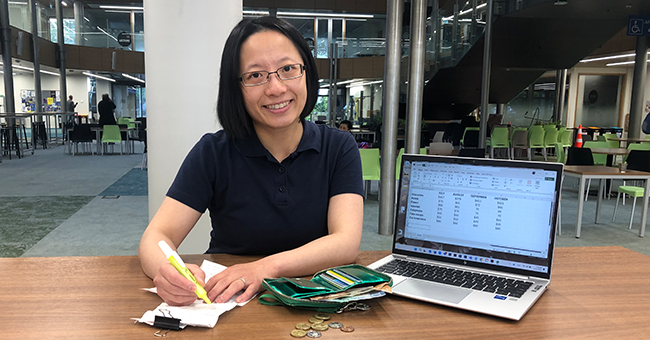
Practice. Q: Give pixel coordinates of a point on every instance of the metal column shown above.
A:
(454, 34)
(487, 65)
(79, 23)
(391, 111)
(38, 95)
(61, 56)
(6, 60)
(416, 75)
(560, 92)
(638, 87)
(472, 37)
(437, 33)
(8, 70)
(333, 89)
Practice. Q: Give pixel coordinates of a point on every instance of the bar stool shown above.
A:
(11, 140)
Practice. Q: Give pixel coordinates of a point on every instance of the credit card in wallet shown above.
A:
(303, 283)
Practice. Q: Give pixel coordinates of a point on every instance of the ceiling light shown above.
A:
(560, 2)
(96, 76)
(464, 12)
(48, 72)
(132, 77)
(132, 8)
(86, 19)
(64, 3)
(609, 57)
(623, 63)
(312, 14)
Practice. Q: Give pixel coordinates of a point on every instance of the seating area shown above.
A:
(511, 142)
(97, 139)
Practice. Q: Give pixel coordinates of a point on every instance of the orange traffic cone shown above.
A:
(579, 137)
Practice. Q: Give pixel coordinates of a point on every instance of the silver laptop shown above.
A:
(476, 234)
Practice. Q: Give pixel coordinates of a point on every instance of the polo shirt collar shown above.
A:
(251, 146)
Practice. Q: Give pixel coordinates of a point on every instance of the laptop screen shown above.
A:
(492, 214)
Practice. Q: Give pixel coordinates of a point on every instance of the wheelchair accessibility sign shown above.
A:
(638, 26)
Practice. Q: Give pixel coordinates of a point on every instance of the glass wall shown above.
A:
(598, 101)
(97, 28)
(533, 105)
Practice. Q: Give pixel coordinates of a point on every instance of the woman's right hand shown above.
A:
(173, 288)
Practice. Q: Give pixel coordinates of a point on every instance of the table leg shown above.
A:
(99, 140)
(581, 201)
(601, 187)
(644, 214)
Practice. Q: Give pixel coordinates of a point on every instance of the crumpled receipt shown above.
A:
(198, 314)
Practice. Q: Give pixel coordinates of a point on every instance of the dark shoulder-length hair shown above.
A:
(231, 111)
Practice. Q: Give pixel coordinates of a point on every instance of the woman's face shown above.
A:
(278, 103)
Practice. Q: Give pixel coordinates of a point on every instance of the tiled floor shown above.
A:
(53, 204)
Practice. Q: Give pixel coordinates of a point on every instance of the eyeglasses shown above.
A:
(285, 72)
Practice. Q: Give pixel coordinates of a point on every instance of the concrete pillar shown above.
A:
(638, 87)
(182, 62)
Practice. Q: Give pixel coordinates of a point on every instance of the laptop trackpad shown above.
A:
(432, 291)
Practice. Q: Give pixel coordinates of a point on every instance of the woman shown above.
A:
(275, 184)
(105, 108)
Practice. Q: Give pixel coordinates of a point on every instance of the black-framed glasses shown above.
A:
(286, 72)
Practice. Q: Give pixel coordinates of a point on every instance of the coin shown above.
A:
(347, 329)
(335, 324)
(314, 334)
(298, 333)
(303, 326)
(363, 306)
(319, 326)
(315, 320)
(322, 316)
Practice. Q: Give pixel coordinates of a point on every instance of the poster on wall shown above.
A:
(51, 101)
(27, 100)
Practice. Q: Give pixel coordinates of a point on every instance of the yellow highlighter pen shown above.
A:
(178, 263)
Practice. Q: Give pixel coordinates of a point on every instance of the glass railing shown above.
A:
(97, 28)
(457, 29)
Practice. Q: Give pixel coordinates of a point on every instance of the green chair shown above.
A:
(500, 139)
(637, 160)
(519, 141)
(639, 146)
(470, 138)
(550, 138)
(559, 152)
(111, 136)
(599, 159)
(564, 137)
(370, 167)
(536, 135)
(398, 165)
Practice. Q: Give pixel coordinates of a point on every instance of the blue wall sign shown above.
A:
(638, 26)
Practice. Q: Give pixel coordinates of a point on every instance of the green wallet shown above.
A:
(329, 290)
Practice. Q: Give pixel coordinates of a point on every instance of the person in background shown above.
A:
(105, 108)
(71, 105)
(276, 185)
(345, 125)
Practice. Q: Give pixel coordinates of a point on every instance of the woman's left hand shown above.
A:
(247, 277)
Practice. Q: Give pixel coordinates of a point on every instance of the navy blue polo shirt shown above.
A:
(259, 206)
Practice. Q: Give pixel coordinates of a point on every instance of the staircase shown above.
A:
(525, 44)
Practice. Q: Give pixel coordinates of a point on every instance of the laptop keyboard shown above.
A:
(455, 277)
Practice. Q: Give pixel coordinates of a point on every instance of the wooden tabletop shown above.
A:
(601, 170)
(595, 293)
(611, 151)
(630, 139)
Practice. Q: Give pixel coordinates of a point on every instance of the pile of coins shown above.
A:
(317, 324)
